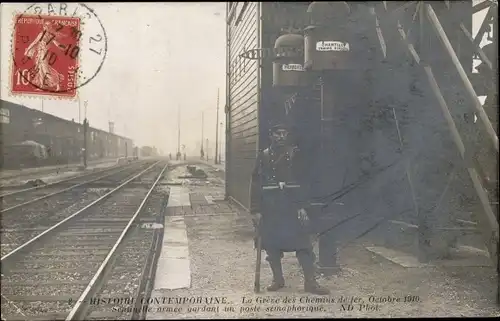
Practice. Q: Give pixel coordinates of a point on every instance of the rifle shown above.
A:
(259, 258)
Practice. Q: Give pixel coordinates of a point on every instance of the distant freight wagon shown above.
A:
(148, 151)
(62, 139)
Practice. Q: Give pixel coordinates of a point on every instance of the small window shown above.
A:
(4, 116)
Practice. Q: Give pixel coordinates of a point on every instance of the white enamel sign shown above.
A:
(332, 46)
(293, 67)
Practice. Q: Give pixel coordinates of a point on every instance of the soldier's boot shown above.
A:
(278, 280)
(306, 260)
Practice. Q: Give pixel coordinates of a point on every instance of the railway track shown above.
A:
(32, 217)
(100, 250)
(48, 170)
(14, 199)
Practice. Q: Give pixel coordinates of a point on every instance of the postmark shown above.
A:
(56, 49)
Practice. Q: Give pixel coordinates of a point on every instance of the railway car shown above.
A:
(63, 139)
(25, 154)
(148, 151)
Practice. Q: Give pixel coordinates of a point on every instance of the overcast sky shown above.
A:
(161, 56)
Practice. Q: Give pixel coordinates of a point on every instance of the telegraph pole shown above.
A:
(217, 160)
(85, 133)
(202, 123)
(179, 132)
(220, 149)
(85, 143)
(206, 148)
(84, 148)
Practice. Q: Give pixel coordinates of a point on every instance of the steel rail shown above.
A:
(49, 169)
(149, 271)
(59, 192)
(82, 302)
(60, 181)
(19, 248)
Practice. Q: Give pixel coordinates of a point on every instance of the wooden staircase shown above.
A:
(475, 135)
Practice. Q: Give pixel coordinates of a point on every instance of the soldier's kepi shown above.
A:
(279, 196)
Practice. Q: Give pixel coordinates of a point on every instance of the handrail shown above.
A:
(474, 42)
(483, 56)
(468, 85)
(483, 27)
(482, 5)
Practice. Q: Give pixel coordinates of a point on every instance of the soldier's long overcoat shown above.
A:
(280, 227)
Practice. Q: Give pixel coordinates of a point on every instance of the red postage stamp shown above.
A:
(45, 55)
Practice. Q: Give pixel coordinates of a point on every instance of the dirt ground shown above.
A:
(222, 261)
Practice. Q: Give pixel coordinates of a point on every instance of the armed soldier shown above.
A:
(277, 203)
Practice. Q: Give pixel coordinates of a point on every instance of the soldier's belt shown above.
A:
(281, 185)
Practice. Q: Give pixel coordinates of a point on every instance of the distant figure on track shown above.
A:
(277, 203)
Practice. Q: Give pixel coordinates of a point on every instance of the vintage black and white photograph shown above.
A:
(249, 160)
